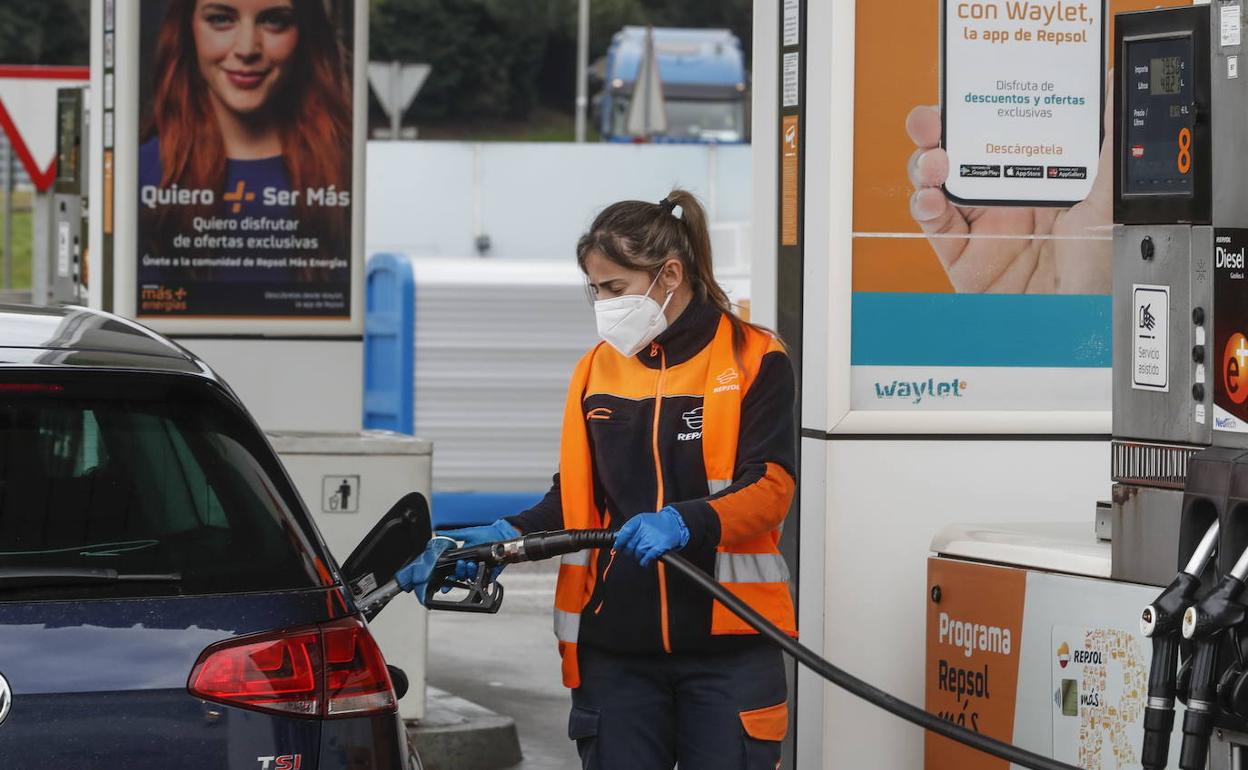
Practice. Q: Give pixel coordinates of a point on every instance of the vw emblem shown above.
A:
(6, 698)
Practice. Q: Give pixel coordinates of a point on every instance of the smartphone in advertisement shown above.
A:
(1022, 93)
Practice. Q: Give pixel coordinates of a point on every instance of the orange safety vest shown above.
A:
(752, 569)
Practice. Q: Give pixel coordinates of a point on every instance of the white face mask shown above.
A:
(629, 323)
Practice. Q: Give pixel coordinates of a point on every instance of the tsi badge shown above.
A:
(284, 762)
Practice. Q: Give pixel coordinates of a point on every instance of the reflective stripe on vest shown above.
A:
(567, 626)
(751, 568)
(718, 485)
(578, 559)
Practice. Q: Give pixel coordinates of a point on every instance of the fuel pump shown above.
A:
(1180, 318)
(65, 264)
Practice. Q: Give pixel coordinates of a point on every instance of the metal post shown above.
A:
(396, 112)
(637, 89)
(582, 68)
(8, 218)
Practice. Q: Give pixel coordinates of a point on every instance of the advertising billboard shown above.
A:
(245, 160)
(983, 211)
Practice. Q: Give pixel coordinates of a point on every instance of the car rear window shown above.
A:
(145, 476)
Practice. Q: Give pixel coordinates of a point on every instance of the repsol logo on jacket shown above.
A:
(693, 420)
(728, 380)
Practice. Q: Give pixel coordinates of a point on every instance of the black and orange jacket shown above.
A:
(643, 422)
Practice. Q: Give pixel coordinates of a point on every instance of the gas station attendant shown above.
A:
(679, 430)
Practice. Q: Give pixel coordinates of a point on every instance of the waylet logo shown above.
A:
(917, 390)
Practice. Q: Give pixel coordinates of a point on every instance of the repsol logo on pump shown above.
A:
(1090, 657)
(963, 683)
(1066, 656)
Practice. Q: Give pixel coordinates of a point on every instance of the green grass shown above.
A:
(22, 239)
(21, 248)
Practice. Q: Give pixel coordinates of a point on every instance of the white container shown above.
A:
(348, 481)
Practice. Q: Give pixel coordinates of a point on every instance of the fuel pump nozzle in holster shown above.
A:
(1204, 624)
(1161, 621)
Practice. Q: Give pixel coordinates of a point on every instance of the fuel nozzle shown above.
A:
(484, 593)
(1204, 624)
(1161, 621)
(481, 592)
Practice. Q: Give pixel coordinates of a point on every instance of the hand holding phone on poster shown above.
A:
(1012, 249)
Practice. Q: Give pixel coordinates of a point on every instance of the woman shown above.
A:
(247, 95)
(679, 431)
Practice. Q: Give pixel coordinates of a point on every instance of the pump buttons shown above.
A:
(1147, 248)
(1198, 392)
(1198, 354)
(1198, 316)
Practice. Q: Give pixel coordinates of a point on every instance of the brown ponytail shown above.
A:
(643, 236)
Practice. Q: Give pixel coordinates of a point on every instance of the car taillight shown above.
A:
(332, 670)
(356, 678)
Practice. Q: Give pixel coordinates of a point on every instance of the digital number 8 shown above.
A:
(1185, 150)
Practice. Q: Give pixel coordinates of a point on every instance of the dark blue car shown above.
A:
(165, 600)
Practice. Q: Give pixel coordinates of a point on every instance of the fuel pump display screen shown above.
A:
(1157, 156)
(69, 141)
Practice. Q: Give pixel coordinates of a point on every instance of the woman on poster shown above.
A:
(250, 110)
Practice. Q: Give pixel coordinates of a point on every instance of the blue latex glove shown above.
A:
(415, 576)
(647, 536)
(470, 536)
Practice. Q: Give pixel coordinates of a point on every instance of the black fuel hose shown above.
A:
(545, 545)
(557, 543)
(853, 684)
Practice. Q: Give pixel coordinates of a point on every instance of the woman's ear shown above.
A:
(672, 275)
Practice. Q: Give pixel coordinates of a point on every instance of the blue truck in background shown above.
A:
(705, 85)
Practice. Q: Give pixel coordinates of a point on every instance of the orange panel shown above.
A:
(974, 636)
(898, 264)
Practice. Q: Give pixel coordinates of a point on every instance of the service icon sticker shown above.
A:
(1150, 349)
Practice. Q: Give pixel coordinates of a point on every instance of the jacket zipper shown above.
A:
(603, 583)
(657, 350)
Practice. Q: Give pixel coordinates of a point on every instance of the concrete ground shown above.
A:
(508, 664)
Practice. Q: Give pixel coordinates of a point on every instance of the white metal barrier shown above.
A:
(532, 200)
